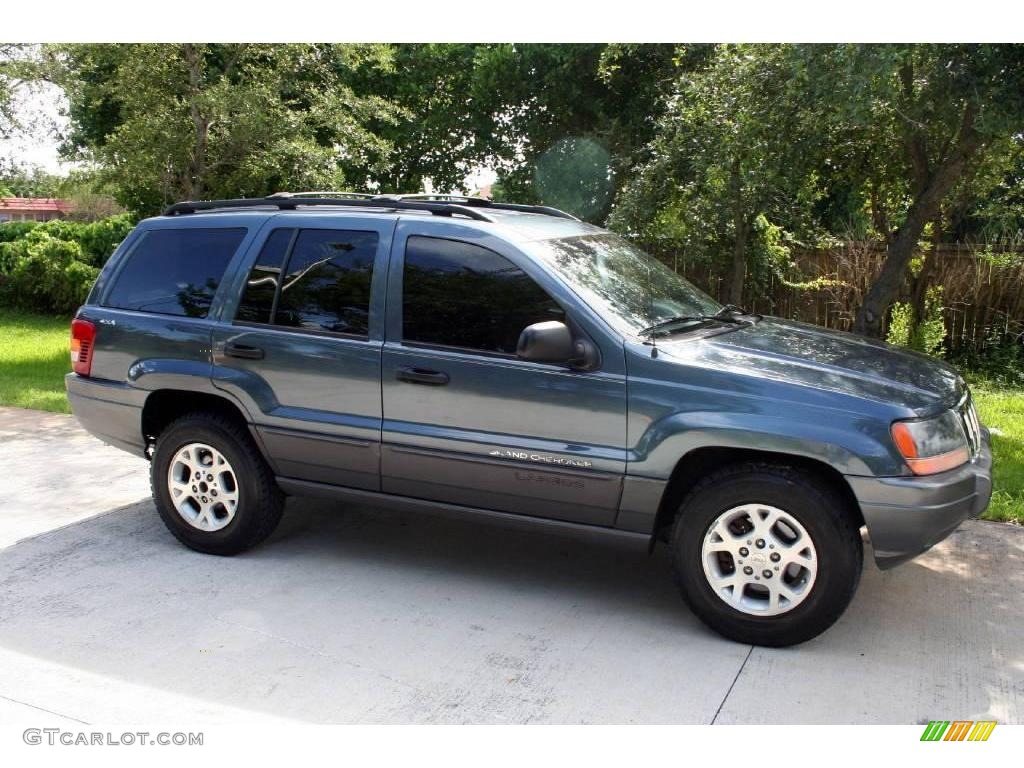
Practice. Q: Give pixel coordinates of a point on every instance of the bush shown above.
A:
(49, 267)
(927, 336)
(15, 230)
(901, 324)
(44, 274)
(1000, 363)
(100, 238)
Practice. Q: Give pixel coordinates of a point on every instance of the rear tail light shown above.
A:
(83, 336)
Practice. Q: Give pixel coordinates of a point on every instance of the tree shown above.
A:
(12, 77)
(918, 120)
(27, 181)
(173, 121)
(561, 112)
(441, 128)
(988, 207)
(876, 140)
(734, 151)
(191, 121)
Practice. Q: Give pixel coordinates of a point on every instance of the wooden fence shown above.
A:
(983, 294)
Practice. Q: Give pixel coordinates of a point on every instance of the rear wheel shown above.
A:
(211, 486)
(766, 554)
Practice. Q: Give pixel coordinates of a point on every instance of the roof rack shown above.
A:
(290, 203)
(438, 205)
(482, 202)
(330, 193)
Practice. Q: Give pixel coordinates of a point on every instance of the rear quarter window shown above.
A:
(174, 271)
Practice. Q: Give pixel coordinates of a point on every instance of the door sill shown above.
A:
(390, 501)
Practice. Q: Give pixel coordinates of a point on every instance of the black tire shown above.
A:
(260, 501)
(823, 512)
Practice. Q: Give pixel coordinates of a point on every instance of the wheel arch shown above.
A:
(162, 406)
(699, 462)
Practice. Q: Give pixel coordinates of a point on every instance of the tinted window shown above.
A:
(260, 289)
(175, 271)
(461, 295)
(327, 283)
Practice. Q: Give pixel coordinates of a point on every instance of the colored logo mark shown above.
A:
(958, 730)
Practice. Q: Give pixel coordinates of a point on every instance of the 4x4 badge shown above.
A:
(540, 458)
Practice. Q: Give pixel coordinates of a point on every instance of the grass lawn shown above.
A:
(1002, 411)
(34, 359)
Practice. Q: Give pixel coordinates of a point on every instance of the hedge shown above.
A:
(50, 267)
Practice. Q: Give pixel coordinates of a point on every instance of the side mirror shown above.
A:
(552, 342)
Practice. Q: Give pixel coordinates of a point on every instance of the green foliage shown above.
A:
(99, 239)
(927, 335)
(1002, 410)
(901, 324)
(440, 125)
(721, 155)
(15, 230)
(731, 154)
(583, 102)
(96, 240)
(27, 181)
(575, 175)
(43, 273)
(11, 77)
(50, 267)
(1000, 362)
(192, 121)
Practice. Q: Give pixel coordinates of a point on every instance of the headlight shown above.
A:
(932, 445)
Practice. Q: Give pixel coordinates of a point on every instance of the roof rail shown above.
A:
(483, 202)
(289, 202)
(343, 193)
(438, 205)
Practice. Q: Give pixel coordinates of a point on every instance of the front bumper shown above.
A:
(906, 516)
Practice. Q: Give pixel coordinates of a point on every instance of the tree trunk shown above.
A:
(926, 207)
(739, 263)
(739, 243)
(200, 124)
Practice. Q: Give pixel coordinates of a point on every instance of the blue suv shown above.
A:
(454, 355)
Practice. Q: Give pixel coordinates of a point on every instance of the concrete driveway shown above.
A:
(361, 616)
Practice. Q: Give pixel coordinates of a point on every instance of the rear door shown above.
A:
(301, 346)
(465, 420)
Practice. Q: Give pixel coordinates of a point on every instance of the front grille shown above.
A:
(972, 427)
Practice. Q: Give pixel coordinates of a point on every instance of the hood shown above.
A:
(817, 357)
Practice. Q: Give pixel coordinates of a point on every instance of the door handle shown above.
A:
(243, 351)
(422, 376)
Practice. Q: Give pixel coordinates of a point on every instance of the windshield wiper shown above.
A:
(728, 313)
(731, 309)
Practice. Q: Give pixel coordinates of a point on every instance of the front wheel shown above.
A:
(766, 554)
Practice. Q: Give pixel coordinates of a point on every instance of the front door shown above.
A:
(303, 349)
(465, 420)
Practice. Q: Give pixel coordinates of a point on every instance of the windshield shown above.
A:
(628, 288)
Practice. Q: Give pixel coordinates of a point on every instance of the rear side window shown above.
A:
(325, 285)
(257, 304)
(456, 294)
(175, 271)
